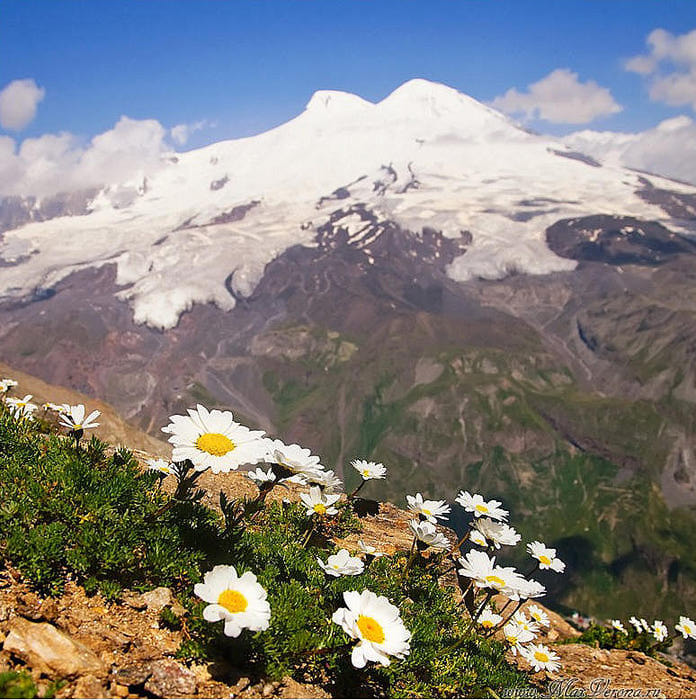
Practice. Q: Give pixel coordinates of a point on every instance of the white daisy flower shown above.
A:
(369, 549)
(636, 623)
(515, 636)
(618, 625)
(489, 619)
(238, 600)
(214, 439)
(477, 538)
(55, 407)
(74, 418)
(6, 385)
(521, 589)
(369, 470)
(538, 615)
(428, 534)
(524, 622)
(326, 478)
(318, 502)
(342, 564)
(162, 466)
(686, 627)
(483, 570)
(660, 631)
(477, 505)
(298, 460)
(376, 623)
(546, 556)
(260, 477)
(497, 533)
(644, 624)
(21, 408)
(541, 658)
(430, 510)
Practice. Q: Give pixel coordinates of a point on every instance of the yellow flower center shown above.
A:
(511, 639)
(320, 508)
(541, 656)
(687, 629)
(481, 508)
(495, 580)
(545, 560)
(370, 629)
(365, 473)
(233, 601)
(487, 623)
(425, 511)
(215, 444)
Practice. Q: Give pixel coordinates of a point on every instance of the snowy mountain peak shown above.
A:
(424, 99)
(334, 100)
(203, 227)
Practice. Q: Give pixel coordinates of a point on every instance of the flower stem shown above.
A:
(410, 561)
(476, 616)
(310, 530)
(464, 538)
(355, 493)
(520, 603)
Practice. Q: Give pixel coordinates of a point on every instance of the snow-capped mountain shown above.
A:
(205, 225)
(350, 281)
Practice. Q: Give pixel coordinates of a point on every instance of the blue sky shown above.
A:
(247, 65)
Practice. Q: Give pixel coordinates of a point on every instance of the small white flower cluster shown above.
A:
(71, 417)
(214, 440)
(20, 408)
(658, 630)
(490, 530)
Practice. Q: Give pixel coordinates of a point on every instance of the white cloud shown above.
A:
(181, 133)
(669, 149)
(559, 98)
(18, 102)
(52, 163)
(670, 65)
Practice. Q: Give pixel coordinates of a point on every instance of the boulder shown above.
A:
(51, 651)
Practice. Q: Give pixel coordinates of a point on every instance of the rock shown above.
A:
(51, 651)
(170, 679)
(133, 675)
(241, 685)
(133, 600)
(177, 608)
(120, 691)
(89, 687)
(157, 599)
(267, 690)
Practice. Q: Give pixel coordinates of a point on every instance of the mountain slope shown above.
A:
(354, 280)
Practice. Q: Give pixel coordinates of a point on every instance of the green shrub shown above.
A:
(80, 512)
(610, 638)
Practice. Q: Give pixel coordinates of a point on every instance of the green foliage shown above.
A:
(169, 619)
(609, 638)
(15, 684)
(19, 684)
(80, 512)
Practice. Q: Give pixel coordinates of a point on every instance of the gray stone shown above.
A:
(170, 679)
(51, 651)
